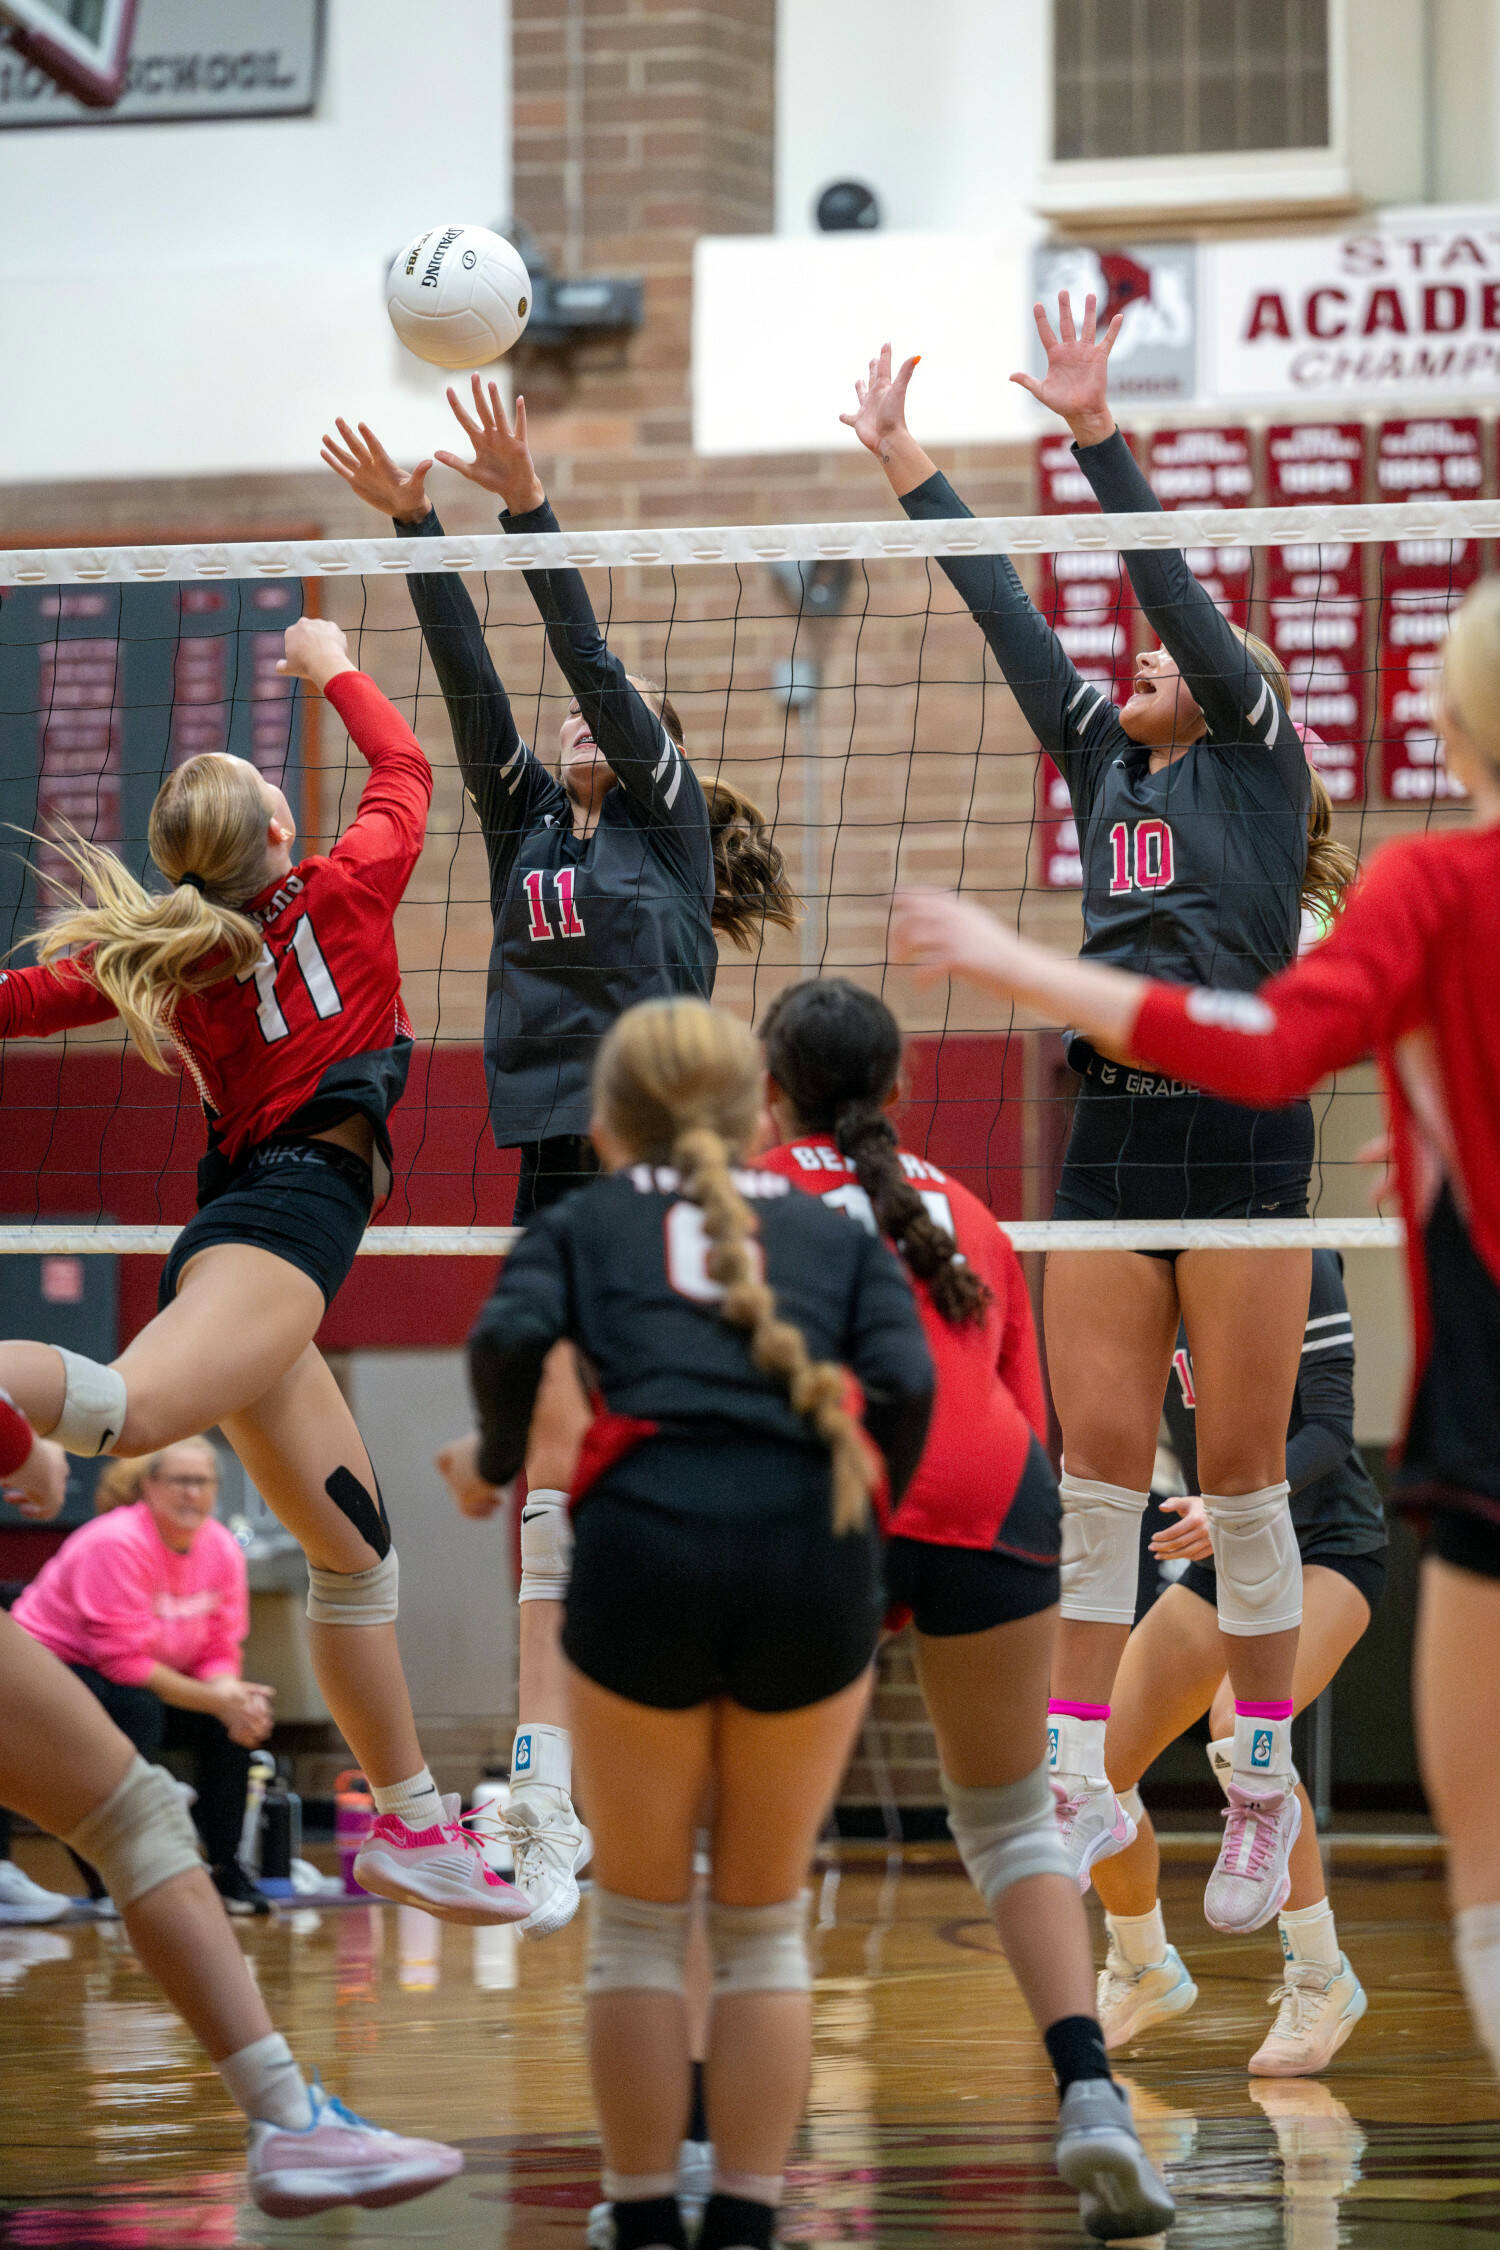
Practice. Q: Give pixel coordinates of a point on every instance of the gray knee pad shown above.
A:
(1005, 1834)
(140, 1837)
(93, 1412)
(546, 1548)
(1101, 1540)
(635, 1944)
(354, 1597)
(1256, 1560)
(760, 1948)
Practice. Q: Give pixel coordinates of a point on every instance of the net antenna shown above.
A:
(82, 45)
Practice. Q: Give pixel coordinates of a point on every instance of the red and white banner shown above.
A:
(1086, 598)
(1422, 582)
(1316, 612)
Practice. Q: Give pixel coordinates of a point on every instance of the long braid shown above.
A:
(816, 1388)
(867, 1137)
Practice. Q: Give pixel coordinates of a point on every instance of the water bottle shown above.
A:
(493, 1792)
(353, 1818)
(262, 1771)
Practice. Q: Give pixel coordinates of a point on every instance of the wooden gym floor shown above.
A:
(929, 2120)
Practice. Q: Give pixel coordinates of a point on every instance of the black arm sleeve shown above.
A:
(1064, 711)
(888, 1353)
(1231, 691)
(1325, 1380)
(641, 754)
(525, 1315)
(500, 773)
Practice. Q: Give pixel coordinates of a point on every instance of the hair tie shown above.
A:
(193, 882)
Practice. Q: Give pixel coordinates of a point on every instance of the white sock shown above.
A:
(542, 1756)
(1476, 1941)
(1141, 1939)
(1308, 1934)
(1076, 1745)
(1262, 1753)
(416, 1802)
(266, 2083)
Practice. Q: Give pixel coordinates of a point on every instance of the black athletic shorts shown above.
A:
(672, 1603)
(1145, 1147)
(1365, 1573)
(953, 1590)
(551, 1169)
(1463, 1537)
(306, 1201)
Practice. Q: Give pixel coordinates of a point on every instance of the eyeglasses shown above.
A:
(189, 1484)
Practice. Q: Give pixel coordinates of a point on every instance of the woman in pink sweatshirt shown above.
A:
(148, 1605)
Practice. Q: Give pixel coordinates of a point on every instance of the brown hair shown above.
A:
(750, 879)
(1331, 866)
(123, 1478)
(680, 1083)
(147, 949)
(835, 1051)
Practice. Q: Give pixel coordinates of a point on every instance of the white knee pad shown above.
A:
(760, 1948)
(1131, 1800)
(140, 1837)
(1101, 1545)
(93, 1412)
(354, 1597)
(1256, 1560)
(1005, 1834)
(635, 1944)
(546, 1547)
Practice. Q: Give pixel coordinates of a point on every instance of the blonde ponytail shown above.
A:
(679, 1082)
(147, 949)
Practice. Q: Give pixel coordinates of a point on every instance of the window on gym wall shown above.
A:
(1134, 78)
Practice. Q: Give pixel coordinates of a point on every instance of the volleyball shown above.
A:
(458, 296)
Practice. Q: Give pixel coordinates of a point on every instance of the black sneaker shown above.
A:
(239, 1894)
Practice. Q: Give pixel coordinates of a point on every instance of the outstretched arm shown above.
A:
(1063, 710)
(518, 1325)
(642, 756)
(384, 841)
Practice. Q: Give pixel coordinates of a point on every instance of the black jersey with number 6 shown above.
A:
(1194, 873)
(582, 930)
(620, 1268)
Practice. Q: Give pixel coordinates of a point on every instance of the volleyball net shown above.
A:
(829, 671)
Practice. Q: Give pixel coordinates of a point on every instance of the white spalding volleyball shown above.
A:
(458, 296)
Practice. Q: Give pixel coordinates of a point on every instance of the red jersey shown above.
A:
(989, 1379)
(316, 1031)
(1410, 972)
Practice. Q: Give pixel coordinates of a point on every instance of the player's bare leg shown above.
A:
(1111, 1325)
(1457, 1694)
(67, 1767)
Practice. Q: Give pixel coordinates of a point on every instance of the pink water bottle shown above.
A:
(353, 1818)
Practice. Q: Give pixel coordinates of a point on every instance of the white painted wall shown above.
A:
(939, 105)
(201, 298)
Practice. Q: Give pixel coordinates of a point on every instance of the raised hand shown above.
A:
(367, 469)
(502, 458)
(881, 413)
(1076, 382)
(316, 650)
(938, 934)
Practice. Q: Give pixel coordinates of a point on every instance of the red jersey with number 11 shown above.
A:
(989, 1379)
(316, 1032)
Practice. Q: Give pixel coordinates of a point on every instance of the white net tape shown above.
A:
(1446, 520)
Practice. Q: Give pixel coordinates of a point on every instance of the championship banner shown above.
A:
(1086, 599)
(1316, 610)
(1424, 581)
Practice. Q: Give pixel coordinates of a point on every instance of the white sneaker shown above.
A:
(440, 1869)
(21, 1900)
(695, 2184)
(1251, 1878)
(339, 2159)
(551, 1845)
(1316, 2009)
(1131, 2000)
(1098, 2151)
(1092, 1822)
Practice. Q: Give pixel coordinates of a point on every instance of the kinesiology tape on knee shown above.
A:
(546, 1547)
(367, 1515)
(1101, 1537)
(93, 1411)
(1005, 1834)
(140, 1837)
(1255, 1557)
(353, 1597)
(635, 1944)
(760, 1948)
